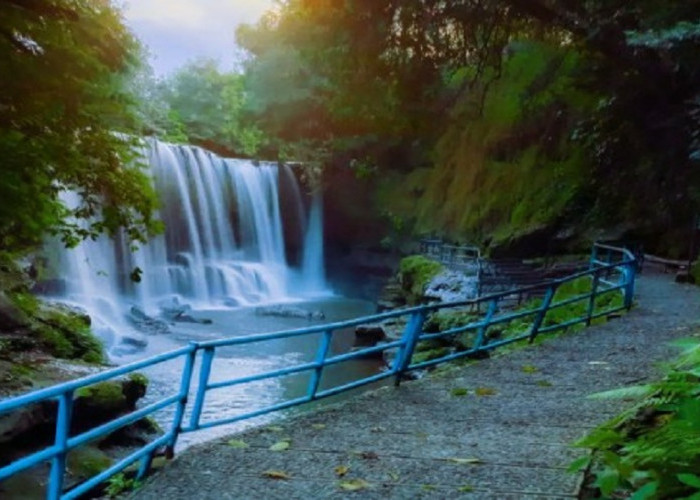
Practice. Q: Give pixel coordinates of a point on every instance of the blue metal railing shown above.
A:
(612, 272)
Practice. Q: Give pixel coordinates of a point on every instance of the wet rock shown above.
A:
(231, 302)
(173, 310)
(451, 286)
(145, 323)
(289, 312)
(369, 335)
(129, 345)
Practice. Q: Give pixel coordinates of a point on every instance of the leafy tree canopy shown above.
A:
(68, 122)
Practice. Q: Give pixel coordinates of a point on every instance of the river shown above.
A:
(240, 361)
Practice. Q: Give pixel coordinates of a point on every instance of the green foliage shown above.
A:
(415, 272)
(68, 122)
(653, 449)
(121, 483)
(207, 106)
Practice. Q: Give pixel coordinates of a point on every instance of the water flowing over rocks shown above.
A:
(451, 286)
(238, 233)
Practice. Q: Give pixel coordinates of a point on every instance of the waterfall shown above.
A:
(314, 276)
(223, 244)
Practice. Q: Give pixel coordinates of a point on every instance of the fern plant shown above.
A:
(652, 450)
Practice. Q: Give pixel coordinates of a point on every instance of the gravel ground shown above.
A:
(421, 441)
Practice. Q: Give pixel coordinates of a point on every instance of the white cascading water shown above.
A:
(314, 276)
(223, 243)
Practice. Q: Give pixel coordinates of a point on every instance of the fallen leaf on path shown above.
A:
(459, 391)
(354, 484)
(427, 487)
(464, 461)
(465, 489)
(485, 391)
(544, 383)
(530, 369)
(341, 470)
(280, 446)
(276, 474)
(238, 444)
(318, 427)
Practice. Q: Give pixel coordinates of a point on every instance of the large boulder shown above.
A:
(370, 334)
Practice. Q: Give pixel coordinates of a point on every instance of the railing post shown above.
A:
(630, 274)
(594, 256)
(409, 339)
(185, 383)
(591, 300)
(204, 372)
(551, 290)
(320, 358)
(481, 333)
(58, 464)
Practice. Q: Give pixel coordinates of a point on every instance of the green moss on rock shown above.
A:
(415, 272)
(108, 396)
(67, 334)
(86, 462)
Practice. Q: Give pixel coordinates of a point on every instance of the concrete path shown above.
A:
(423, 441)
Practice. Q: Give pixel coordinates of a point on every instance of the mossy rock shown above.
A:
(105, 401)
(415, 273)
(448, 319)
(87, 461)
(429, 355)
(67, 334)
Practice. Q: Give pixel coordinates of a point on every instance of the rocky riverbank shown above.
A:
(42, 344)
(421, 281)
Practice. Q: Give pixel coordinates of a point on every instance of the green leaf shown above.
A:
(579, 463)
(529, 369)
(607, 481)
(467, 488)
(463, 461)
(645, 492)
(354, 485)
(280, 446)
(690, 479)
(638, 391)
(238, 444)
(459, 391)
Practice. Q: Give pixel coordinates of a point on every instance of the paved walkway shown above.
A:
(418, 441)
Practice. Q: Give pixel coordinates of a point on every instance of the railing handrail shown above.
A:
(413, 333)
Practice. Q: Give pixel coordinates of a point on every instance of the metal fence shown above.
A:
(611, 274)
